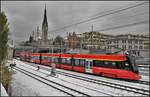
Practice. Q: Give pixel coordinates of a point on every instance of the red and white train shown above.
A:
(110, 65)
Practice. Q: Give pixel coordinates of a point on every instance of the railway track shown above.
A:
(106, 83)
(60, 87)
(144, 66)
(97, 91)
(109, 84)
(139, 82)
(144, 71)
(143, 82)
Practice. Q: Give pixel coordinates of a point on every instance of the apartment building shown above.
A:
(132, 43)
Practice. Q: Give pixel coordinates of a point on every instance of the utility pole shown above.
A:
(92, 28)
(92, 37)
(81, 39)
(33, 34)
(61, 46)
(52, 50)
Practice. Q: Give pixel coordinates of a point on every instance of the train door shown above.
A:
(88, 66)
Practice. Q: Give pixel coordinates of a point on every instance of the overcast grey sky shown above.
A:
(25, 16)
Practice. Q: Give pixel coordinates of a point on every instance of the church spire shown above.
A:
(45, 17)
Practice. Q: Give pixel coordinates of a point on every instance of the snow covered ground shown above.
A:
(62, 80)
(23, 85)
(144, 71)
(3, 91)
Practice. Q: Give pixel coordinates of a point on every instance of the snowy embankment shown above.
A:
(23, 85)
(3, 91)
(64, 81)
(78, 84)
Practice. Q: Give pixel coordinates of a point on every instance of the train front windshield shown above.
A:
(133, 63)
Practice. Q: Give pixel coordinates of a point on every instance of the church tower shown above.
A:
(44, 30)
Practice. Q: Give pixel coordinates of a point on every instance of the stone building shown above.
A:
(73, 41)
(134, 44)
(94, 40)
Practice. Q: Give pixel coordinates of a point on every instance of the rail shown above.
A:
(57, 84)
(106, 83)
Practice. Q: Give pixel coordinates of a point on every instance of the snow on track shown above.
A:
(121, 82)
(73, 86)
(23, 85)
(103, 88)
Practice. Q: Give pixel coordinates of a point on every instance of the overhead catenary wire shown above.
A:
(123, 26)
(116, 11)
(105, 12)
(130, 16)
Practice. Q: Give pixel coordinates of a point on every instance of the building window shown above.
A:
(136, 42)
(135, 47)
(140, 42)
(130, 41)
(123, 41)
(141, 47)
(130, 47)
(117, 41)
(138, 53)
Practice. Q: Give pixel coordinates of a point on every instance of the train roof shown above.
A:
(108, 57)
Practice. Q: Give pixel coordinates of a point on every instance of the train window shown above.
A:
(49, 59)
(114, 64)
(63, 60)
(34, 57)
(77, 62)
(98, 63)
(52, 60)
(126, 66)
(110, 64)
(44, 57)
(118, 64)
(68, 61)
(56, 60)
(82, 62)
(106, 64)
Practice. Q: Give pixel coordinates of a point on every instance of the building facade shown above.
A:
(73, 41)
(132, 43)
(94, 40)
